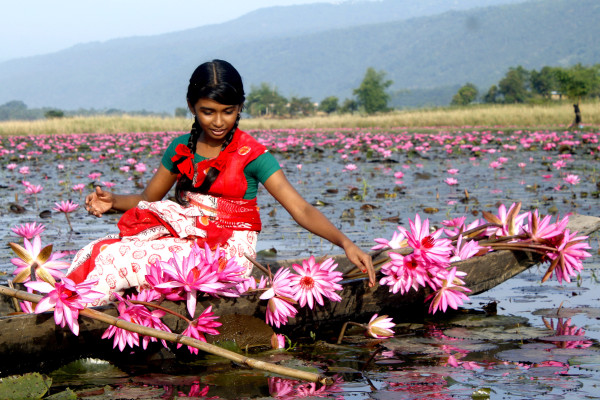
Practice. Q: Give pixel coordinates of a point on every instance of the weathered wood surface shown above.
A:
(31, 335)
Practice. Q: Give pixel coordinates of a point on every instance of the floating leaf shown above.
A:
(28, 386)
(587, 362)
(537, 356)
(498, 333)
(484, 321)
(88, 371)
(64, 395)
(564, 312)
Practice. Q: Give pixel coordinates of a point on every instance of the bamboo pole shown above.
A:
(178, 338)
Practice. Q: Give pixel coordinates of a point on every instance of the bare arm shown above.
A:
(100, 201)
(314, 221)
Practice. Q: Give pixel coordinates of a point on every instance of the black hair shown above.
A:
(219, 81)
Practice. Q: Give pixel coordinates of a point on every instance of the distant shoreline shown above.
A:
(557, 115)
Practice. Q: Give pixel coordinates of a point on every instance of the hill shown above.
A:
(316, 51)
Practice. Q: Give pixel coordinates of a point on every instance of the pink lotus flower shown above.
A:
(350, 167)
(315, 281)
(542, 230)
(398, 241)
(279, 310)
(124, 337)
(452, 171)
(108, 185)
(568, 259)
(67, 298)
(277, 341)
(465, 249)
(205, 323)
(450, 294)
(65, 206)
(78, 187)
(226, 268)
(427, 247)
(29, 230)
(33, 189)
(190, 275)
(405, 272)
(42, 261)
(11, 166)
(451, 181)
(510, 220)
(140, 167)
(380, 327)
(572, 179)
(94, 175)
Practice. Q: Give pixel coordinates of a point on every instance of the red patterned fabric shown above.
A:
(231, 182)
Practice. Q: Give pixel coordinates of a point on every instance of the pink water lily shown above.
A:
(567, 261)
(380, 327)
(398, 241)
(29, 230)
(65, 206)
(450, 294)
(67, 298)
(428, 247)
(205, 323)
(315, 281)
(190, 275)
(33, 259)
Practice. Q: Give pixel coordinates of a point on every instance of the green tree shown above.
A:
(371, 93)
(465, 95)
(514, 86)
(349, 106)
(579, 81)
(492, 95)
(329, 104)
(54, 114)
(544, 82)
(301, 106)
(265, 100)
(181, 112)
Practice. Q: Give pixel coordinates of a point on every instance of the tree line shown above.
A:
(520, 85)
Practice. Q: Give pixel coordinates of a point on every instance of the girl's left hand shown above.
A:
(362, 260)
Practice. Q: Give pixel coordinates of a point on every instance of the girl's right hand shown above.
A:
(99, 202)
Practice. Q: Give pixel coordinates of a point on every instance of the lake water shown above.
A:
(367, 182)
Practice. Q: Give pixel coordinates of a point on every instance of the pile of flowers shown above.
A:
(429, 262)
(419, 257)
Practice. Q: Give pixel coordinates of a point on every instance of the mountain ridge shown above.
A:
(419, 53)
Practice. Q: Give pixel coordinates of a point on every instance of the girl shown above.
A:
(216, 168)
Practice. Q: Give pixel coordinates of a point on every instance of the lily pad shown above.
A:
(587, 362)
(564, 312)
(499, 333)
(537, 356)
(28, 386)
(485, 321)
(88, 371)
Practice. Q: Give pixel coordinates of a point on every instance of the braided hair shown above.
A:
(219, 81)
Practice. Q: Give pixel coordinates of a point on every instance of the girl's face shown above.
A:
(215, 119)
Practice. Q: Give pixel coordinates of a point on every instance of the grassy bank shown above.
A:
(554, 115)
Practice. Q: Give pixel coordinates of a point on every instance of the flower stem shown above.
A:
(343, 331)
(165, 309)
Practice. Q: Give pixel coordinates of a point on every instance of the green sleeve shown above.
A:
(170, 152)
(259, 170)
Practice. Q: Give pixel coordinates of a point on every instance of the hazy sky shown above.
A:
(31, 27)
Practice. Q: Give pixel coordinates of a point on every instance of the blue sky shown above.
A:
(33, 27)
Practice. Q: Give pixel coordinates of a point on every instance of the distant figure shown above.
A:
(577, 122)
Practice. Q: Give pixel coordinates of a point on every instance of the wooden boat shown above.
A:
(34, 337)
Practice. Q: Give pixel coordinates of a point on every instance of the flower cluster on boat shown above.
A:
(418, 257)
